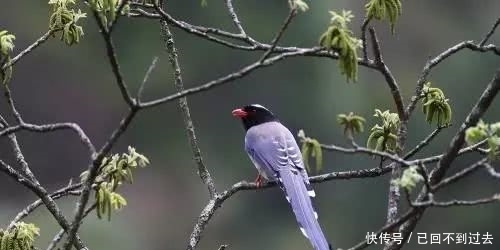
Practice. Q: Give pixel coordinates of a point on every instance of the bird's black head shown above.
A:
(254, 114)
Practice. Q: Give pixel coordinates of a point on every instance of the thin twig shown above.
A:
(225, 79)
(389, 78)
(115, 66)
(367, 151)
(58, 237)
(433, 203)
(437, 60)
(12, 106)
(490, 33)
(491, 170)
(234, 17)
(52, 127)
(461, 174)
(183, 104)
(423, 143)
(118, 15)
(279, 34)
(29, 49)
(146, 77)
(69, 190)
(36, 188)
(92, 174)
(475, 114)
(363, 38)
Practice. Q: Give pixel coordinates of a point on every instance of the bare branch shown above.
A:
(423, 143)
(115, 66)
(437, 60)
(36, 188)
(52, 127)
(228, 78)
(12, 106)
(29, 49)
(279, 34)
(492, 171)
(93, 172)
(145, 79)
(389, 78)
(475, 114)
(452, 203)
(363, 38)
(453, 150)
(490, 33)
(58, 237)
(69, 190)
(183, 104)
(234, 17)
(118, 11)
(461, 174)
(358, 149)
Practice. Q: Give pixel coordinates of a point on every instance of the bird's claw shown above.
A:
(258, 181)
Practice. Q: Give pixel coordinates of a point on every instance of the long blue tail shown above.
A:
(298, 194)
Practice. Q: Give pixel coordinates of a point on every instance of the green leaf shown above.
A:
(6, 43)
(298, 4)
(352, 123)
(317, 154)
(410, 178)
(384, 10)
(340, 39)
(63, 19)
(435, 106)
(21, 237)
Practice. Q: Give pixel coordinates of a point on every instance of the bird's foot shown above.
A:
(258, 181)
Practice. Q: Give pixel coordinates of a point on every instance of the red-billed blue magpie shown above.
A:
(276, 155)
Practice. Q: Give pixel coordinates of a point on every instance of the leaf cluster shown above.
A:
(63, 18)
(382, 137)
(339, 38)
(384, 10)
(435, 106)
(20, 237)
(112, 173)
(298, 4)
(6, 42)
(488, 132)
(353, 124)
(410, 178)
(6, 45)
(311, 148)
(108, 9)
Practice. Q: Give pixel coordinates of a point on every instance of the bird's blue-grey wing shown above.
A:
(276, 152)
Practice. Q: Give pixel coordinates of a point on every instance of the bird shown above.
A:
(273, 150)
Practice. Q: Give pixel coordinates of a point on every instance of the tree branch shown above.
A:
(28, 50)
(225, 79)
(475, 114)
(36, 188)
(423, 143)
(279, 34)
(145, 78)
(115, 66)
(183, 104)
(69, 190)
(490, 33)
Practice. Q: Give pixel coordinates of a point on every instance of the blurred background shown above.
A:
(57, 83)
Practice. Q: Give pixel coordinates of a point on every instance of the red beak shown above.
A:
(239, 113)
